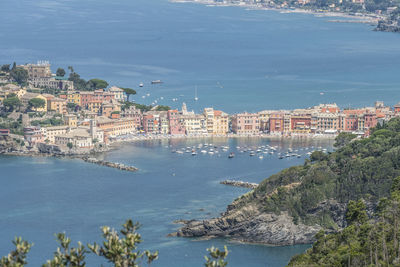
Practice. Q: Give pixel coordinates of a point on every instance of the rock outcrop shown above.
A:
(249, 222)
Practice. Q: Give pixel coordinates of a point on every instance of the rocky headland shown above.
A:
(292, 206)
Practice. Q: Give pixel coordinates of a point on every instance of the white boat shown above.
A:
(141, 84)
(204, 151)
(194, 153)
(156, 82)
(195, 94)
(211, 153)
(261, 157)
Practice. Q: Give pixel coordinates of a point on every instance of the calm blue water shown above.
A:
(43, 196)
(239, 59)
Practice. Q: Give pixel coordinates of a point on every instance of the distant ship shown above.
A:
(141, 84)
(156, 82)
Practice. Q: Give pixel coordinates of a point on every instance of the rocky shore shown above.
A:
(115, 165)
(251, 224)
(239, 184)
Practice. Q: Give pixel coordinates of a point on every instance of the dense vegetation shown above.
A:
(83, 85)
(120, 249)
(364, 242)
(318, 191)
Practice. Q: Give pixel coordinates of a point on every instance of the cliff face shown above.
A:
(249, 222)
(292, 206)
(7, 144)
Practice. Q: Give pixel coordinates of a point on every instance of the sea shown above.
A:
(232, 59)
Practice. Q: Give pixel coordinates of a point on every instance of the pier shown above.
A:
(239, 184)
(118, 166)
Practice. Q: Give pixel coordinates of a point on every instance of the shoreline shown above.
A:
(368, 18)
(138, 138)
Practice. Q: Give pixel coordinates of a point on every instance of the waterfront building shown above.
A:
(49, 133)
(150, 124)
(209, 114)
(195, 124)
(116, 127)
(176, 126)
(276, 123)
(136, 114)
(33, 135)
(221, 123)
(81, 137)
(245, 123)
(325, 122)
(300, 123)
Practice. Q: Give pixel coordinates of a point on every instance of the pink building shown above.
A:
(97, 95)
(246, 123)
(175, 125)
(148, 123)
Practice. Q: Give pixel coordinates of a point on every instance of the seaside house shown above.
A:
(245, 123)
(176, 126)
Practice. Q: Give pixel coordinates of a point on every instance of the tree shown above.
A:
(129, 92)
(71, 69)
(216, 257)
(70, 145)
(14, 66)
(5, 68)
(60, 72)
(11, 103)
(36, 103)
(20, 75)
(67, 256)
(162, 108)
(80, 84)
(17, 257)
(95, 84)
(356, 212)
(121, 249)
(343, 139)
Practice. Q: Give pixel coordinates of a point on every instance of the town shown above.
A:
(46, 112)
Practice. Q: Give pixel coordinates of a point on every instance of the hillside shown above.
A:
(291, 207)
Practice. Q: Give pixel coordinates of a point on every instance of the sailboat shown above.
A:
(195, 94)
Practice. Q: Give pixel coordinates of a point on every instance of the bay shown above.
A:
(43, 196)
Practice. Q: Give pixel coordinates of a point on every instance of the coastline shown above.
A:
(372, 19)
(136, 138)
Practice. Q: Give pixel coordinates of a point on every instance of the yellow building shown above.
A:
(74, 97)
(94, 106)
(221, 123)
(58, 105)
(71, 121)
(116, 127)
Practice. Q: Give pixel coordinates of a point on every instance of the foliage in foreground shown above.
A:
(364, 242)
(118, 248)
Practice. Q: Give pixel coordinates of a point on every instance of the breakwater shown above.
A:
(115, 165)
(239, 184)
